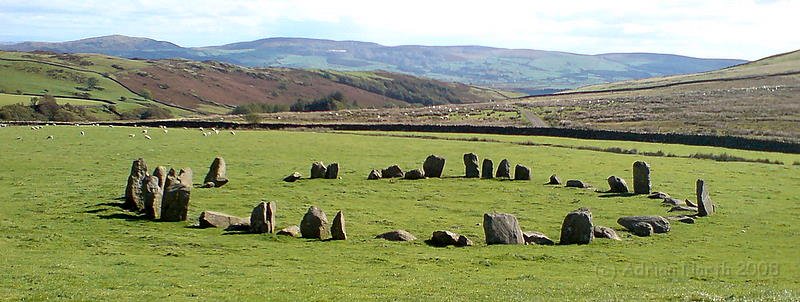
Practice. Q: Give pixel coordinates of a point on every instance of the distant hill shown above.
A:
(191, 87)
(532, 71)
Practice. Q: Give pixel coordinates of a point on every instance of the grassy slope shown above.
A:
(787, 62)
(62, 239)
(8, 99)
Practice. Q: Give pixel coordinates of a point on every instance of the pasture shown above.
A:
(64, 236)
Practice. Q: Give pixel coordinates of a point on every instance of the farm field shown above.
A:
(8, 99)
(64, 237)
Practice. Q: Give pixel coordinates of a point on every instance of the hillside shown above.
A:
(530, 71)
(191, 87)
(756, 100)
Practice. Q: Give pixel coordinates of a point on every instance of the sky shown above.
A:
(738, 29)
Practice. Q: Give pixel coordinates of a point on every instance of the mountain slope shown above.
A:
(518, 69)
(215, 87)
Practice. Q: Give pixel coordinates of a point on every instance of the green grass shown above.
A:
(8, 99)
(62, 238)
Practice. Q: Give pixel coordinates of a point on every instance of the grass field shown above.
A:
(8, 99)
(64, 238)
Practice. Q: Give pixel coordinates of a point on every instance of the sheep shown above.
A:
(110, 126)
(144, 131)
(83, 133)
(165, 131)
(49, 137)
(202, 130)
(233, 133)
(216, 131)
(147, 136)
(205, 134)
(19, 138)
(131, 135)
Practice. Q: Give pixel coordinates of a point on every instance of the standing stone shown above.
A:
(704, 204)
(554, 180)
(152, 198)
(522, 173)
(415, 174)
(332, 172)
(318, 170)
(211, 219)
(659, 224)
(172, 177)
(503, 169)
(433, 166)
(217, 174)
(134, 191)
(537, 238)
(392, 172)
(338, 231)
(176, 202)
(487, 169)
(641, 178)
(185, 176)
(577, 227)
(641, 229)
(445, 238)
(314, 224)
(161, 173)
(502, 228)
(292, 177)
(397, 235)
(471, 166)
(262, 219)
(617, 185)
(375, 174)
(605, 232)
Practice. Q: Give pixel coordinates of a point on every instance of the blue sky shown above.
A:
(742, 29)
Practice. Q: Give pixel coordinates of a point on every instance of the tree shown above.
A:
(146, 94)
(91, 83)
(252, 118)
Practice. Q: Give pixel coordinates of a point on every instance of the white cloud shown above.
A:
(734, 29)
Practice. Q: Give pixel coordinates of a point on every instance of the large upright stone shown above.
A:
(217, 174)
(577, 227)
(318, 170)
(338, 231)
(332, 172)
(185, 176)
(262, 219)
(487, 169)
(502, 228)
(152, 198)
(617, 185)
(161, 173)
(503, 169)
(172, 177)
(660, 224)
(314, 224)
(641, 178)
(175, 204)
(705, 207)
(134, 190)
(471, 166)
(522, 173)
(392, 172)
(433, 166)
